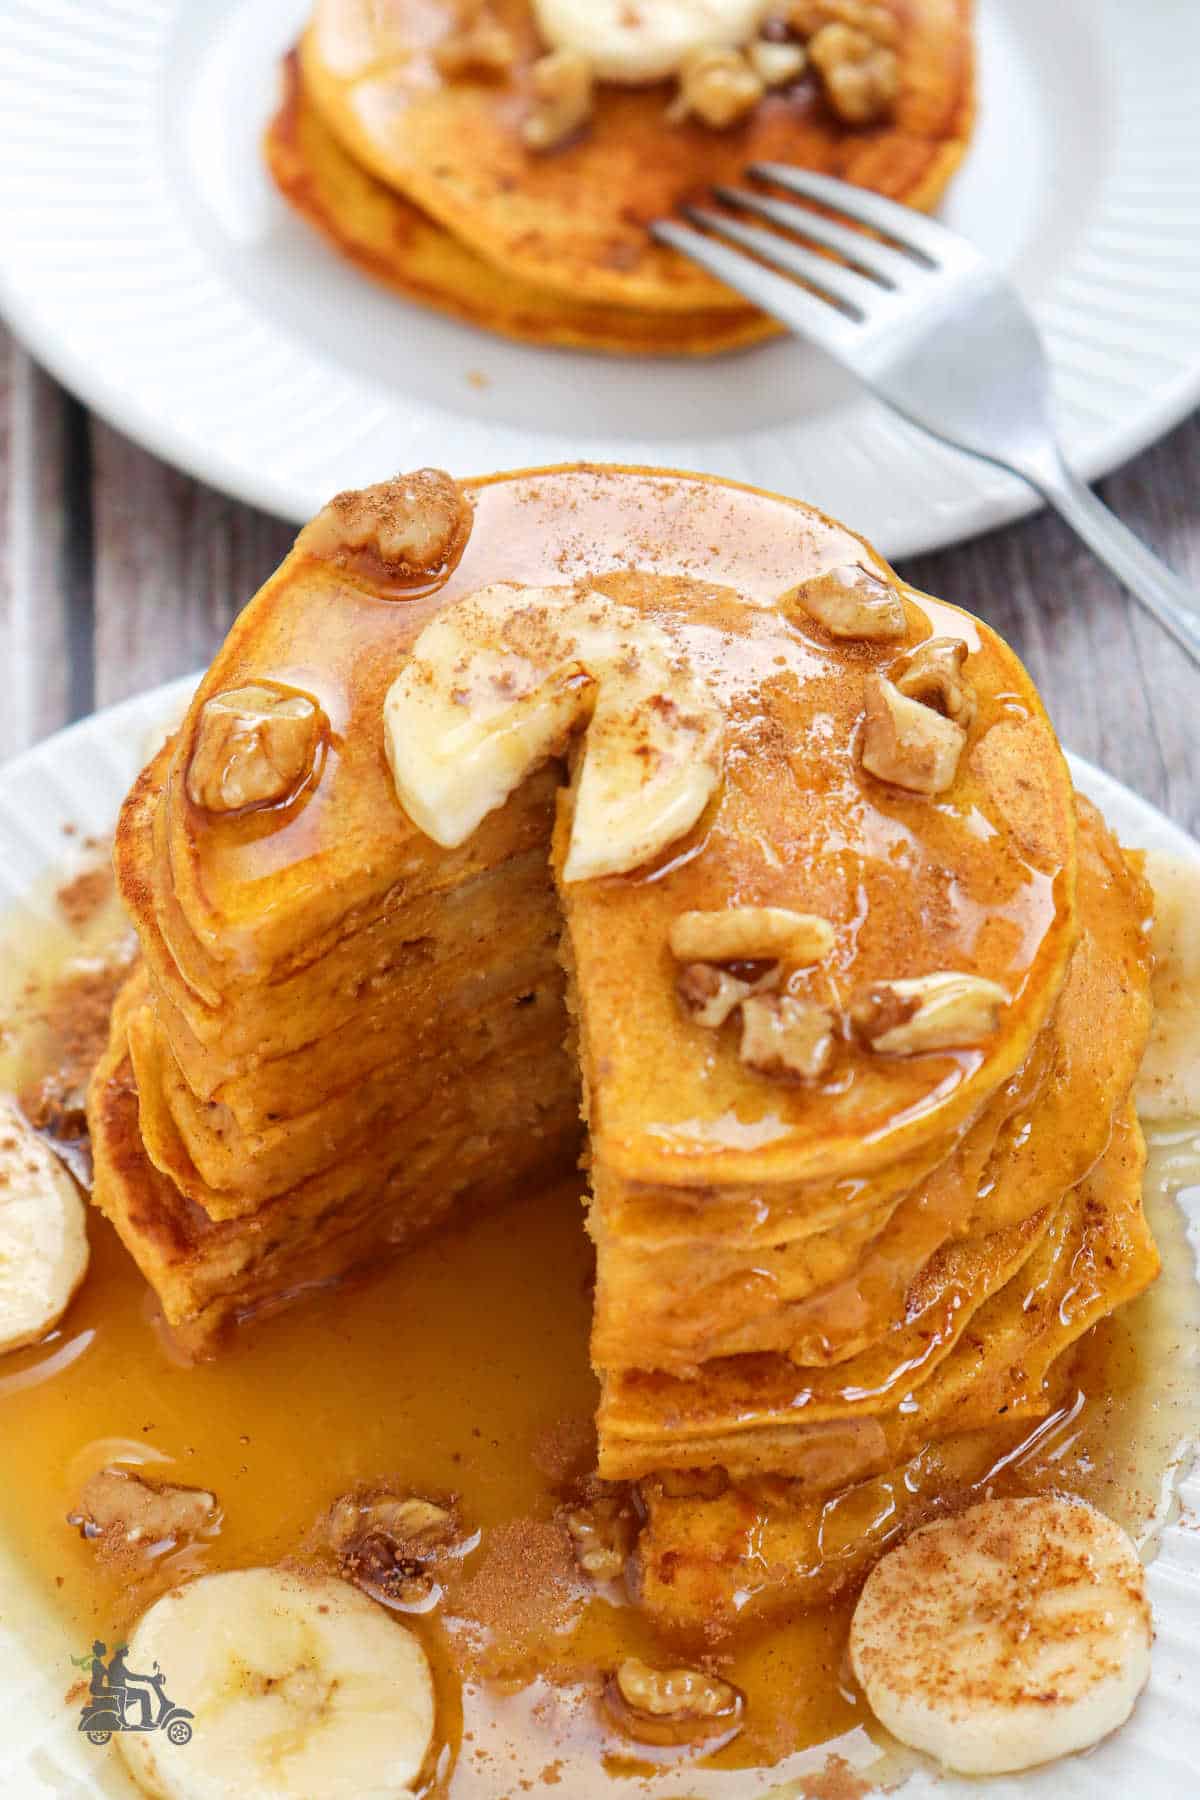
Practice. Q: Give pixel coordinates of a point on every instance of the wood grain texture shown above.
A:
(45, 629)
(1119, 690)
(117, 573)
(174, 562)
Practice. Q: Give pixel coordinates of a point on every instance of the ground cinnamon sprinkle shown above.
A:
(80, 899)
(836, 1781)
(525, 1591)
(566, 1450)
(75, 1020)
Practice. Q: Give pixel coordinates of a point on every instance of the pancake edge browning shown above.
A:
(530, 214)
(393, 241)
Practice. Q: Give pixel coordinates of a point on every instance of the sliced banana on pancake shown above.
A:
(43, 1234)
(500, 681)
(300, 1690)
(1008, 1636)
(649, 41)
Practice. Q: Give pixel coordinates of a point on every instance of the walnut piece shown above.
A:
(906, 743)
(946, 1011)
(807, 17)
(481, 47)
(853, 602)
(776, 63)
(693, 1484)
(751, 934)
(718, 87)
(603, 1534)
(126, 1508)
(709, 994)
(415, 524)
(254, 746)
(674, 1705)
(786, 1038)
(861, 78)
(391, 1544)
(933, 674)
(563, 89)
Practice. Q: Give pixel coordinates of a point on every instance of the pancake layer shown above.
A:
(574, 220)
(392, 239)
(421, 175)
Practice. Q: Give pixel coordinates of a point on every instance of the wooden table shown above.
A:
(116, 573)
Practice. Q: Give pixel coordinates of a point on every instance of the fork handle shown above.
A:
(1172, 602)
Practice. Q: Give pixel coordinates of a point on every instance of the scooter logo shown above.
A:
(119, 1700)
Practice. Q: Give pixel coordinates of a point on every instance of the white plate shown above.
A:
(80, 777)
(146, 259)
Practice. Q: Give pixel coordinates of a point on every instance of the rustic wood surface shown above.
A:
(117, 573)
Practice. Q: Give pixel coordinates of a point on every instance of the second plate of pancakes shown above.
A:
(150, 262)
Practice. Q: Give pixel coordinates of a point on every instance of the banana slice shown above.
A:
(499, 681)
(299, 1689)
(43, 1234)
(649, 41)
(1016, 1633)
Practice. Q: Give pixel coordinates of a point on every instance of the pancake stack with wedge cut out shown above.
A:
(418, 170)
(814, 1265)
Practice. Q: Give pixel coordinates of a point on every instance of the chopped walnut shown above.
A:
(751, 934)
(563, 90)
(709, 994)
(718, 87)
(693, 1484)
(124, 1508)
(928, 1012)
(853, 602)
(933, 674)
(786, 1038)
(861, 78)
(807, 17)
(482, 46)
(603, 1534)
(907, 743)
(390, 1544)
(776, 63)
(254, 746)
(415, 524)
(674, 1705)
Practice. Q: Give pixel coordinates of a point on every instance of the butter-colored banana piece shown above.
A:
(502, 679)
(298, 1685)
(1014, 1633)
(43, 1233)
(650, 41)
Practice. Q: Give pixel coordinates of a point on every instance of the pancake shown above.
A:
(574, 220)
(1095, 1253)
(390, 238)
(765, 1545)
(352, 1026)
(700, 1291)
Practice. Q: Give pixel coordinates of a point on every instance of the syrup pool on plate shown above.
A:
(462, 1369)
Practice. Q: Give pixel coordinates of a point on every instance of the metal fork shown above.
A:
(925, 322)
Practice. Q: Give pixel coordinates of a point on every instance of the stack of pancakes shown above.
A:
(342, 1033)
(426, 182)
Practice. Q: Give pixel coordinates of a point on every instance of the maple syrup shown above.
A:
(463, 1369)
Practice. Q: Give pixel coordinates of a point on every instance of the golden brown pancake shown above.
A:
(764, 1545)
(344, 1035)
(393, 240)
(574, 220)
(684, 1294)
